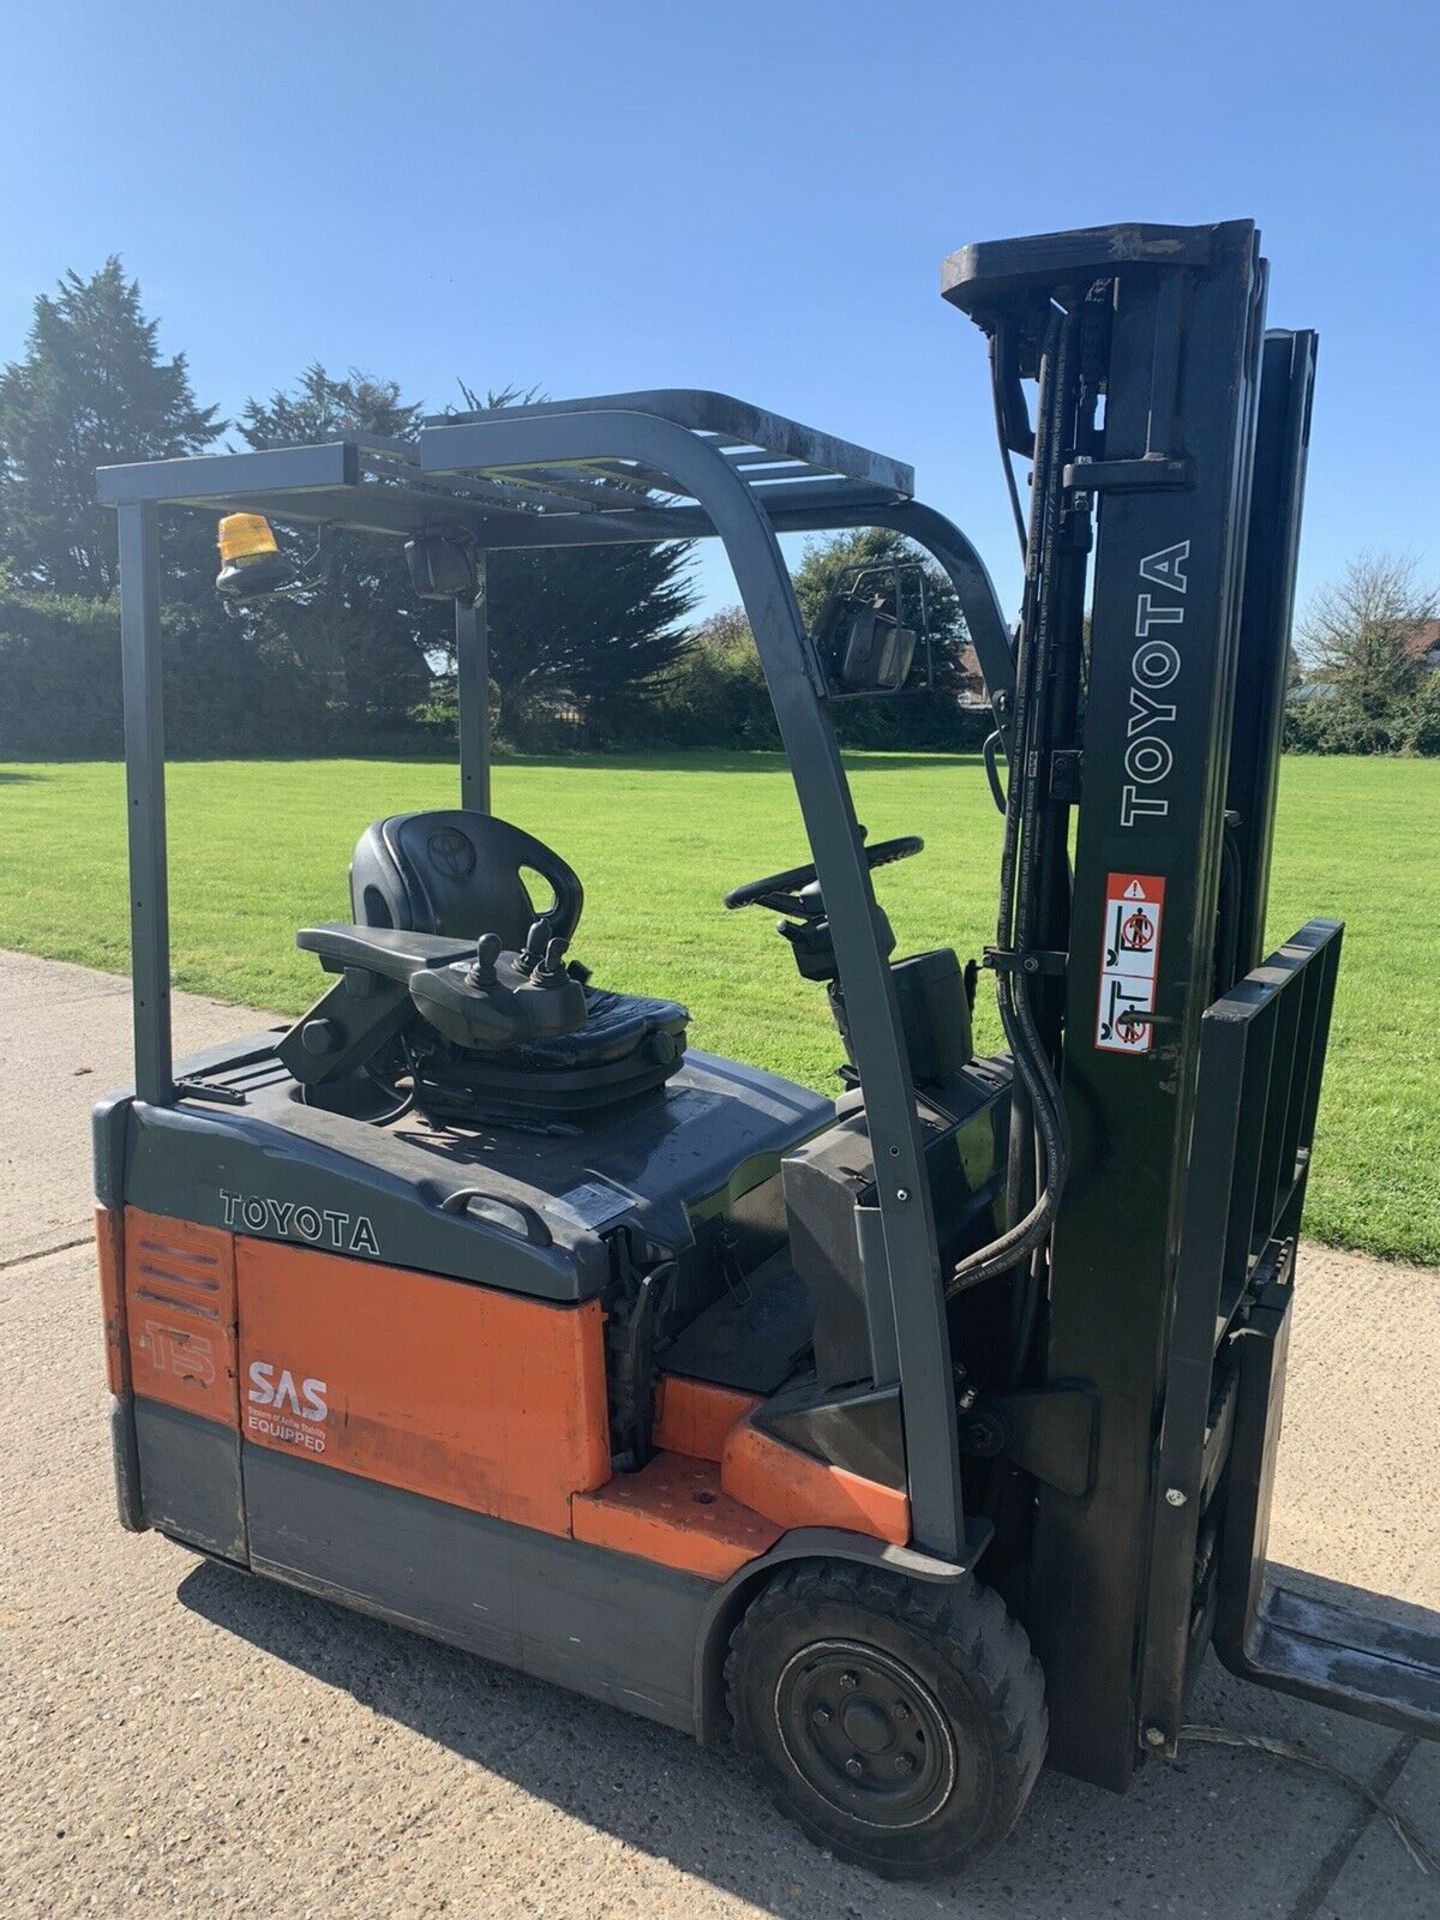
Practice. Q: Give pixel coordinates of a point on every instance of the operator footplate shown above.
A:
(753, 1337)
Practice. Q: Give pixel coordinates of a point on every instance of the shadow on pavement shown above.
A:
(1205, 1831)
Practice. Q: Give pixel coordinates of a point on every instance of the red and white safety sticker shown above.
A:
(1129, 956)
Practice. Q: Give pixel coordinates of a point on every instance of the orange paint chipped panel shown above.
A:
(692, 1416)
(673, 1511)
(794, 1489)
(110, 1258)
(488, 1400)
(179, 1292)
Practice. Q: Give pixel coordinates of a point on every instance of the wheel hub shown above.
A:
(867, 1726)
(866, 1733)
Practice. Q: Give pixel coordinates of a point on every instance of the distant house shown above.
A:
(971, 692)
(1423, 644)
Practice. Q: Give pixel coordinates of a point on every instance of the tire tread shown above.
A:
(969, 1625)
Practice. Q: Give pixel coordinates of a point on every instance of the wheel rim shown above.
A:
(866, 1734)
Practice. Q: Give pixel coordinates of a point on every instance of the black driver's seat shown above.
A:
(460, 874)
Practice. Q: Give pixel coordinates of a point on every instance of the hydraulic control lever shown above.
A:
(493, 1004)
(537, 941)
(482, 975)
(551, 972)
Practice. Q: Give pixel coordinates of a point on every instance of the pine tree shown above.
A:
(598, 626)
(364, 640)
(92, 390)
(588, 626)
(588, 630)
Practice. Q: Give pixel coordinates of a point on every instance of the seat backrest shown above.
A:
(459, 873)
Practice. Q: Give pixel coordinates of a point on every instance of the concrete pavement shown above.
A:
(179, 1739)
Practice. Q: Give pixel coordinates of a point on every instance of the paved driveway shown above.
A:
(179, 1739)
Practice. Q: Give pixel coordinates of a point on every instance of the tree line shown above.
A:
(593, 648)
(588, 647)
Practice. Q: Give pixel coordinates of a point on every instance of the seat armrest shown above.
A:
(392, 952)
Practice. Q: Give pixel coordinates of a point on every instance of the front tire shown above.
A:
(901, 1724)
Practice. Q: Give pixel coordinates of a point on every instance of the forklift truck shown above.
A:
(913, 1437)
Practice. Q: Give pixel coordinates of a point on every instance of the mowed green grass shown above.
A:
(259, 849)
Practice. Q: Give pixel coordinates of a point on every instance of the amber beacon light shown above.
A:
(250, 559)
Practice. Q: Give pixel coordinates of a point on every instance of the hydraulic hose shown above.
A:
(1020, 853)
(1011, 486)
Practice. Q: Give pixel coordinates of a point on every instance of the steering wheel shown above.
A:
(781, 892)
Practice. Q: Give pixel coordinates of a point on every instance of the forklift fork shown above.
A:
(1262, 1050)
(1274, 1634)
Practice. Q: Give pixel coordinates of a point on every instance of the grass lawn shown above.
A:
(259, 849)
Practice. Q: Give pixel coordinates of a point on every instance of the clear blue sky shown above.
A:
(748, 196)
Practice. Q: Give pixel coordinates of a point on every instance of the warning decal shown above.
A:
(1134, 903)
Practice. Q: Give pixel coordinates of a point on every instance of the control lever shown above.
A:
(482, 975)
(537, 944)
(551, 972)
(491, 1005)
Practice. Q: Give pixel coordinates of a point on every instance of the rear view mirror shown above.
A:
(870, 626)
(877, 653)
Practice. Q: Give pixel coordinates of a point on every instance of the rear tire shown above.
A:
(900, 1724)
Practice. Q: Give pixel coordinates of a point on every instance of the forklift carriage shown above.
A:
(476, 1300)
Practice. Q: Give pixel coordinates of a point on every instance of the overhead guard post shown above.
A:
(141, 674)
(472, 684)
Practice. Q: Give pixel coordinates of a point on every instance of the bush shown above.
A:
(1425, 718)
(715, 694)
(226, 692)
(236, 688)
(59, 677)
(1341, 725)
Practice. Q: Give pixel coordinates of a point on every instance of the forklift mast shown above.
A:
(1169, 443)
